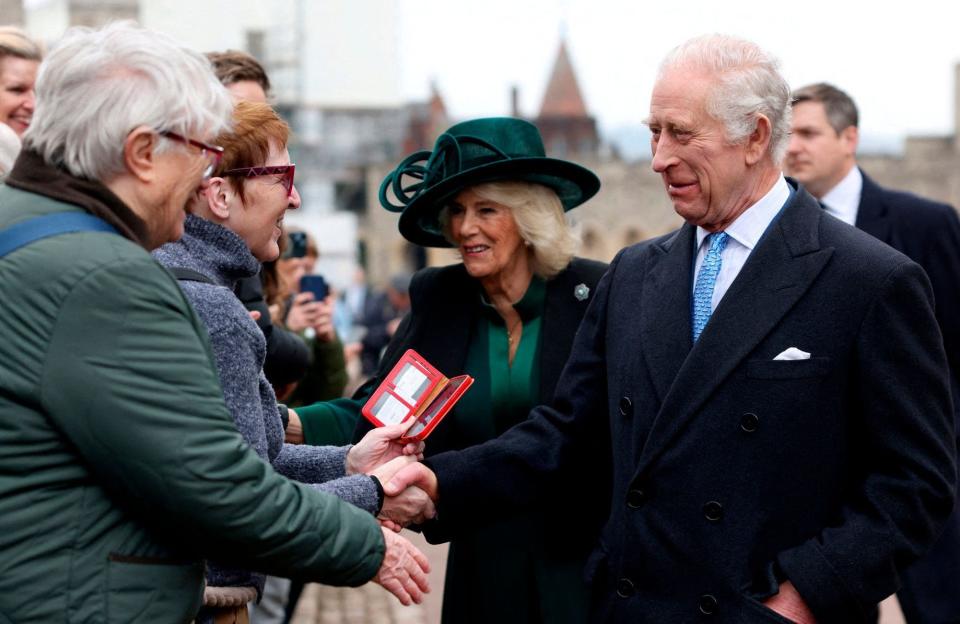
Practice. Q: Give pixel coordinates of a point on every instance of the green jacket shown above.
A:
(120, 468)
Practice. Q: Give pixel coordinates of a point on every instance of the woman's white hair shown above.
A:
(540, 220)
(748, 84)
(96, 86)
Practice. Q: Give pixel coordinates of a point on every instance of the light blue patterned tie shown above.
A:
(706, 280)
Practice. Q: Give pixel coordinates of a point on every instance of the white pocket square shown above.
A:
(793, 353)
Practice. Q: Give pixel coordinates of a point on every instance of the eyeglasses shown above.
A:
(213, 153)
(252, 172)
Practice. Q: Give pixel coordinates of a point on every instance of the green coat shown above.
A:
(120, 468)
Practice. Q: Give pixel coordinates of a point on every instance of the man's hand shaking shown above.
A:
(405, 506)
(413, 474)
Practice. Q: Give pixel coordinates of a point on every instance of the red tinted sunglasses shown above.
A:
(252, 172)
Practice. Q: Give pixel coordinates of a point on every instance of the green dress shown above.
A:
(500, 572)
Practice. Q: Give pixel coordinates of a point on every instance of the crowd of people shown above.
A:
(748, 420)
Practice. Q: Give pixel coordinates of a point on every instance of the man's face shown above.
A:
(704, 175)
(180, 174)
(818, 156)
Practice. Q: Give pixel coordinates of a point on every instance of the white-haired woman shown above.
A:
(507, 316)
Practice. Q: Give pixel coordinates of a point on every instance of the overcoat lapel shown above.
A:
(779, 271)
(872, 215)
(665, 318)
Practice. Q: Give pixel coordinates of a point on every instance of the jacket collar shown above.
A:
(32, 174)
(211, 249)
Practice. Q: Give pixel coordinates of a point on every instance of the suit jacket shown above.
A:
(732, 470)
(929, 233)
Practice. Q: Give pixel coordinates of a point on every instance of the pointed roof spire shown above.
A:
(562, 97)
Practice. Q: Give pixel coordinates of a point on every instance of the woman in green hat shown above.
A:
(507, 316)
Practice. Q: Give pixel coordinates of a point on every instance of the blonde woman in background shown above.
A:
(20, 58)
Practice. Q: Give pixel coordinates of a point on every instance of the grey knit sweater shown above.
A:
(239, 349)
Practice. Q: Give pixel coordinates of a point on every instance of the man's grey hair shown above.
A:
(840, 108)
(96, 86)
(748, 84)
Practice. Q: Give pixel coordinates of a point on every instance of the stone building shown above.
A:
(929, 165)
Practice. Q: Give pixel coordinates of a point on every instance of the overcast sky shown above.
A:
(895, 58)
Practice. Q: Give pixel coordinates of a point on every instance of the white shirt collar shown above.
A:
(843, 200)
(750, 226)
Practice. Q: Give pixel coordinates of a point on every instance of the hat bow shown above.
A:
(444, 161)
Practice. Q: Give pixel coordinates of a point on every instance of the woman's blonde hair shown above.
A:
(540, 219)
(15, 42)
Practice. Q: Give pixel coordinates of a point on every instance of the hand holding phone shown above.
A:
(315, 284)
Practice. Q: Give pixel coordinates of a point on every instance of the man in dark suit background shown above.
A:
(770, 383)
(822, 156)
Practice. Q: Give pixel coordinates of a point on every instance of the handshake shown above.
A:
(410, 490)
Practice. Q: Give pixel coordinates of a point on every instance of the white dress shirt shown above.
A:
(744, 233)
(843, 200)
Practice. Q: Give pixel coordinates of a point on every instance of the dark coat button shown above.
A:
(626, 406)
(625, 588)
(636, 498)
(749, 422)
(708, 604)
(713, 511)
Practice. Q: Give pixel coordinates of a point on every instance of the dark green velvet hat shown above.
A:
(474, 152)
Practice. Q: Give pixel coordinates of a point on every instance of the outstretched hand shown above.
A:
(411, 505)
(404, 570)
(379, 446)
(413, 474)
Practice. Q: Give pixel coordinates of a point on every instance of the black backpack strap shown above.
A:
(38, 228)
(189, 275)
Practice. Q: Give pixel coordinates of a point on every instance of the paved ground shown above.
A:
(371, 604)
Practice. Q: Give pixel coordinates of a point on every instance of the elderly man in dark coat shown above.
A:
(771, 384)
